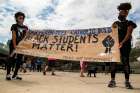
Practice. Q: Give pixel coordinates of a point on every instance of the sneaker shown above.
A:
(17, 78)
(112, 84)
(53, 74)
(44, 73)
(8, 77)
(128, 85)
(82, 75)
(24, 71)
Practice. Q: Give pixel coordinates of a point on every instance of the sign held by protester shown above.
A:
(93, 45)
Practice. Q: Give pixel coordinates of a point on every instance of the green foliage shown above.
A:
(135, 53)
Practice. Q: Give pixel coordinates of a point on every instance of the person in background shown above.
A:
(45, 67)
(23, 67)
(39, 63)
(83, 66)
(18, 33)
(125, 29)
(33, 65)
(51, 64)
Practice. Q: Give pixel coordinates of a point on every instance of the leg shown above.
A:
(82, 66)
(82, 72)
(45, 67)
(37, 68)
(17, 67)
(8, 66)
(113, 71)
(52, 65)
(53, 70)
(88, 73)
(126, 65)
(40, 68)
(112, 83)
(94, 74)
(10, 61)
(33, 68)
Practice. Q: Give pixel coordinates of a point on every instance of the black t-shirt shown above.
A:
(20, 31)
(122, 30)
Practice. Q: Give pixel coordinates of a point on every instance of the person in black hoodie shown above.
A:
(18, 32)
(125, 29)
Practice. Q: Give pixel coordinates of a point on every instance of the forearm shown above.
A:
(128, 35)
(14, 39)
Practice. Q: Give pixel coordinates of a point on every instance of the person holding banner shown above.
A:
(18, 32)
(125, 29)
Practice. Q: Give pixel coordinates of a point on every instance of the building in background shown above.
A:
(4, 50)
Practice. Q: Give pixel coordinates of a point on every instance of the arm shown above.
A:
(128, 35)
(14, 39)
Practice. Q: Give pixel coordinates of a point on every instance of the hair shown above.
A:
(124, 6)
(19, 14)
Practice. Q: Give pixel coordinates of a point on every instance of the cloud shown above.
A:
(2, 1)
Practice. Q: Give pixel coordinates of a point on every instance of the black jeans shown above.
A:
(17, 61)
(39, 68)
(14, 62)
(125, 51)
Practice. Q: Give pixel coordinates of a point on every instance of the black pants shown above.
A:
(14, 61)
(33, 67)
(39, 68)
(125, 51)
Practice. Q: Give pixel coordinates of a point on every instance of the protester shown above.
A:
(125, 29)
(18, 32)
(33, 65)
(39, 63)
(83, 66)
(45, 67)
(51, 65)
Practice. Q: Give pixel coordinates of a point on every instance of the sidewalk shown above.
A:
(66, 82)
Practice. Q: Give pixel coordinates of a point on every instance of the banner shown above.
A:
(93, 45)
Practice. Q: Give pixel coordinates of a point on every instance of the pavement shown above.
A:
(66, 82)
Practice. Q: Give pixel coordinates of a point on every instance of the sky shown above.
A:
(64, 14)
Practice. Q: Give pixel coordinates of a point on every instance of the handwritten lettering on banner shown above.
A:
(94, 45)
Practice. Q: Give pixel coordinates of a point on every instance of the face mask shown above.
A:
(121, 18)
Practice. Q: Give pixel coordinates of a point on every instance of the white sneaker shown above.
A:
(8, 77)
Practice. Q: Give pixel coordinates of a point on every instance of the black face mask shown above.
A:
(121, 18)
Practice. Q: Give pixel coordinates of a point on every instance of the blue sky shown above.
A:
(64, 14)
